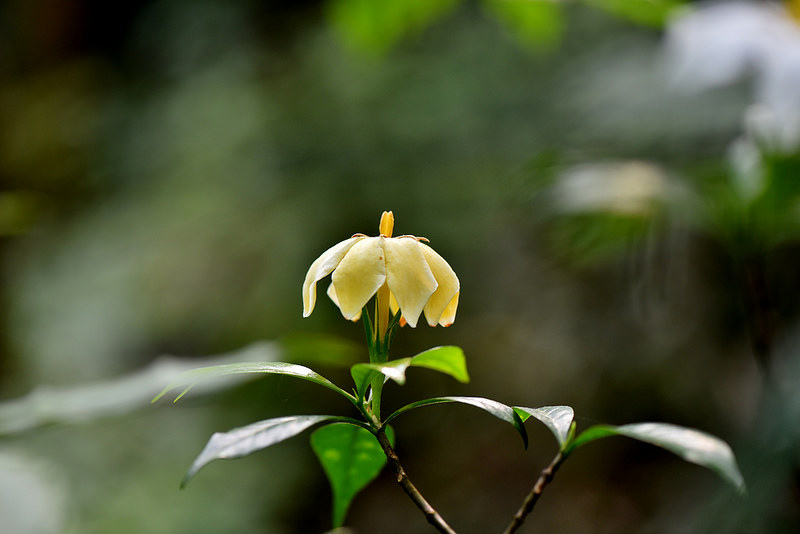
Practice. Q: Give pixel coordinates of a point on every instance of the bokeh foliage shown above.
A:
(170, 168)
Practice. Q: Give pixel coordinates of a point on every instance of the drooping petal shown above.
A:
(447, 289)
(449, 313)
(335, 299)
(359, 275)
(322, 267)
(408, 276)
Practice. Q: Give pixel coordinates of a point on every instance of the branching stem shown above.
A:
(411, 490)
(530, 500)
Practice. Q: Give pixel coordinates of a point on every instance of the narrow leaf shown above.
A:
(351, 458)
(449, 360)
(497, 409)
(254, 437)
(190, 378)
(557, 418)
(692, 445)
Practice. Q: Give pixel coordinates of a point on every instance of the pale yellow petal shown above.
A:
(359, 275)
(448, 287)
(321, 268)
(408, 276)
(335, 299)
(449, 313)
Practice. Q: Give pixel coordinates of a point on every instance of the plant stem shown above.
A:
(431, 514)
(530, 500)
(377, 393)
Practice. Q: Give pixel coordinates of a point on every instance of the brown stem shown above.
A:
(431, 514)
(530, 500)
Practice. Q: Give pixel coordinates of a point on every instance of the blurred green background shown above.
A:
(171, 168)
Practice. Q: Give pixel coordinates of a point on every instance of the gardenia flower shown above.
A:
(414, 277)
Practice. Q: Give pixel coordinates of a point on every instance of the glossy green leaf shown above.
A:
(254, 437)
(691, 445)
(533, 22)
(190, 378)
(557, 418)
(351, 457)
(449, 360)
(497, 409)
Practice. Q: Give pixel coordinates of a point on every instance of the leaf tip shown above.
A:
(182, 393)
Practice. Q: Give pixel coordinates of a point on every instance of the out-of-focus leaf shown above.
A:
(117, 396)
(376, 26)
(773, 214)
(691, 445)
(247, 439)
(557, 418)
(586, 239)
(449, 360)
(534, 22)
(190, 378)
(646, 12)
(351, 457)
(599, 209)
(497, 409)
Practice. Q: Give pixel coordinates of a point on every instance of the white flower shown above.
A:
(417, 278)
(621, 187)
(720, 43)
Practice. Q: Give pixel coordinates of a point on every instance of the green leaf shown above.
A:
(254, 437)
(449, 360)
(535, 23)
(351, 457)
(692, 445)
(376, 26)
(190, 378)
(497, 409)
(652, 13)
(557, 418)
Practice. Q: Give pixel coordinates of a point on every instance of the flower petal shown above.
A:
(449, 313)
(359, 275)
(446, 291)
(408, 276)
(321, 268)
(335, 299)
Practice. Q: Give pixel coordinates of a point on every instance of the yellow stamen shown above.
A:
(387, 224)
